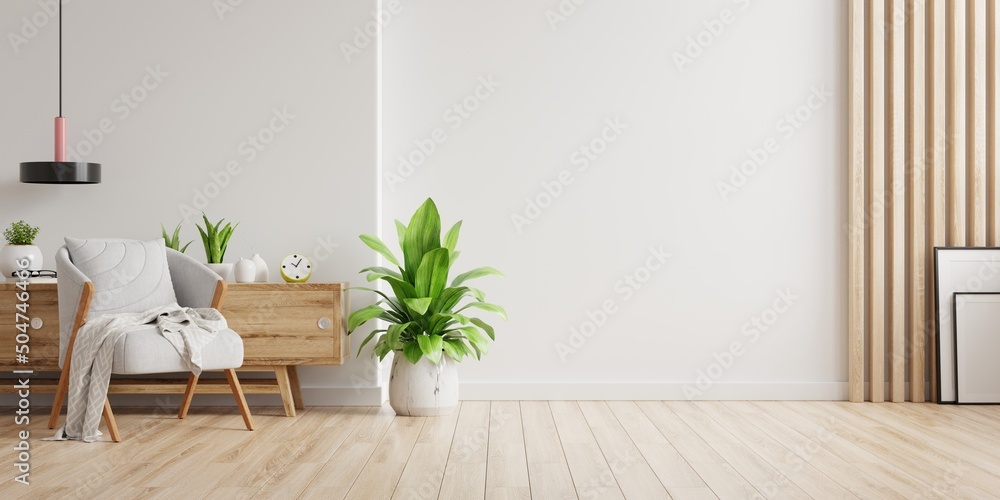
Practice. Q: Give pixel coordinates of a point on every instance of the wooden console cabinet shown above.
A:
(283, 325)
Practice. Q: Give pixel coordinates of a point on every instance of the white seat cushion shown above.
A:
(146, 351)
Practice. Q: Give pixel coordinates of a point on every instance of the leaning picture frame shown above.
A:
(957, 270)
(977, 345)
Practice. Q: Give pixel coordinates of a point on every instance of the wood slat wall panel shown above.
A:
(992, 138)
(923, 172)
(896, 181)
(976, 121)
(937, 107)
(916, 195)
(856, 216)
(956, 85)
(876, 198)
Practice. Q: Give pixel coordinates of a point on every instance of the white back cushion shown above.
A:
(129, 276)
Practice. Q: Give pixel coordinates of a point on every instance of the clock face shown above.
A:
(296, 268)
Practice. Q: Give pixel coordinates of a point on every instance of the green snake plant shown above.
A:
(427, 316)
(216, 239)
(174, 242)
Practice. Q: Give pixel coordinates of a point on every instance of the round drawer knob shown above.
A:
(37, 323)
(324, 323)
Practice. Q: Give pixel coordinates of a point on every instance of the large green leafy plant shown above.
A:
(427, 316)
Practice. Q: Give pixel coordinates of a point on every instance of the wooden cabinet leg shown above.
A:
(293, 377)
(285, 388)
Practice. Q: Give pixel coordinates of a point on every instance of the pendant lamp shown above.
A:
(60, 171)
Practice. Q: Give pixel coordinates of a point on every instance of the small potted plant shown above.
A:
(20, 238)
(174, 242)
(215, 237)
(430, 323)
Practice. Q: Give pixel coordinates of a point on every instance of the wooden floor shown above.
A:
(542, 450)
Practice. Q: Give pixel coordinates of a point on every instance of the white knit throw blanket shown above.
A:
(188, 330)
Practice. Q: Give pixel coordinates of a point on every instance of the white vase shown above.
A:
(423, 389)
(10, 254)
(245, 271)
(224, 270)
(261, 269)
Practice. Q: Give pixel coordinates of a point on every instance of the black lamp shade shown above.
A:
(60, 172)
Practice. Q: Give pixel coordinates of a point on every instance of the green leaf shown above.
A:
(362, 316)
(448, 299)
(393, 333)
(204, 241)
(400, 232)
(430, 345)
(486, 306)
(368, 339)
(177, 235)
(185, 249)
(478, 294)
(486, 328)
(418, 306)
(452, 350)
(402, 288)
(423, 234)
(475, 273)
(376, 244)
(432, 275)
(396, 306)
(475, 338)
(451, 237)
(382, 270)
(412, 352)
(454, 257)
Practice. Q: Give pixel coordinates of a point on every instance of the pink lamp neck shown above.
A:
(60, 138)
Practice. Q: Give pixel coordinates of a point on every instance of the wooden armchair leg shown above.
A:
(188, 396)
(109, 419)
(59, 396)
(241, 401)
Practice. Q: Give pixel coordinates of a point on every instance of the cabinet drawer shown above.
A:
(289, 324)
(43, 305)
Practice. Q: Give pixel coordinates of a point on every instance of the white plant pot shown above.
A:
(423, 389)
(245, 271)
(224, 270)
(10, 254)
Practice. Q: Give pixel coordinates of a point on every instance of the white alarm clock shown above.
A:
(296, 268)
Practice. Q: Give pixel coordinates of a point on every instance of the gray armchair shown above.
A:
(146, 351)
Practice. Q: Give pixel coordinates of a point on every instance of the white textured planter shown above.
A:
(423, 389)
(224, 270)
(10, 254)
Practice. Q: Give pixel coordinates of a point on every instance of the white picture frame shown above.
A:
(977, 347)
(957, 270)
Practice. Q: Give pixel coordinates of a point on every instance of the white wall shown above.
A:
(561, 77)
(654, 186)
(312, 187)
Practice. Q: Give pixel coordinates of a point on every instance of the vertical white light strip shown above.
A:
(381, 378)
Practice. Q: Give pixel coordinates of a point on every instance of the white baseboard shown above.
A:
(312, 396)
(673, 391)
(530, 391)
